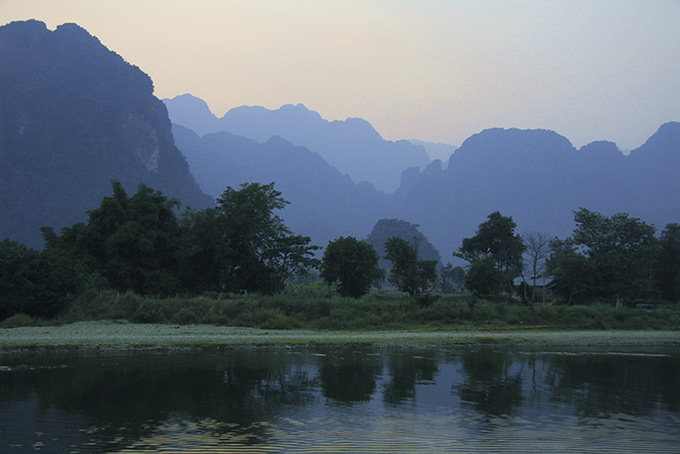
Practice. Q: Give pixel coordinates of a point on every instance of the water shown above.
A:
(341, 400)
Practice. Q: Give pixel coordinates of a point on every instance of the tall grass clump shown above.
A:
(90, 305)
(315, 306)
(18, 320)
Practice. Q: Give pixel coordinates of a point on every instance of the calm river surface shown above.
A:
(337, 399)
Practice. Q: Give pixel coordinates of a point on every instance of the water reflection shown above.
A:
(404, 372)
(630, 384)
(349, 376)
(492, 383)
(340, 399)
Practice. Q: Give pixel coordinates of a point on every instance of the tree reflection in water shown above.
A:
(405, 371)
(349, 376)
(493, 382)
(258, 398)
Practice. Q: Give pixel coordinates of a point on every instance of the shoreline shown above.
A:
(121, 336)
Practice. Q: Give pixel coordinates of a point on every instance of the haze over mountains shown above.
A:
(539, 178)
(325, 204)
(352, 146)
(536, 176)
(74, 115)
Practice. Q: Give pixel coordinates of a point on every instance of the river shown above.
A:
(341, 399)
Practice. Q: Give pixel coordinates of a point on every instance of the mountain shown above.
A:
(324, 204)
(384, 229)
(73, 116)
(352, 146)
(539, 178)
(654, 175)
(535, 176)
(436, 150)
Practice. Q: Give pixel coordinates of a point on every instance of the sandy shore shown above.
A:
(110, 335)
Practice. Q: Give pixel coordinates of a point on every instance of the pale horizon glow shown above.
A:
(432, 70)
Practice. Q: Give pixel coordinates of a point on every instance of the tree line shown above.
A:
(139, 243)
(607, 258)
(241, 245)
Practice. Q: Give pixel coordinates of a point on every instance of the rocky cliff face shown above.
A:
(73, 116)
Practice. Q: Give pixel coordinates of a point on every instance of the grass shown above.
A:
(376, 311)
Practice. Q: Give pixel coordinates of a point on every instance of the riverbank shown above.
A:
(118, 335)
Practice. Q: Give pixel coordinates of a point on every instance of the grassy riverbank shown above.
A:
(110, 335)
(377, 311)
(108, 319)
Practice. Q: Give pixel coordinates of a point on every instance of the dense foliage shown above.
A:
(241, 245)
(352, 265)
(308, 308)
(451, 278)
(134, 256)
(138, 244)
(667, 265)
(408, 274)
(608, 258)
(385, 229)
(494, 254)
(32, 283)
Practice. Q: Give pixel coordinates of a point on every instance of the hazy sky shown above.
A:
(434, 70)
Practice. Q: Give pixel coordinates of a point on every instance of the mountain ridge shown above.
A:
(321, 198)
(542, 193)
(352, 146)
(74, 115)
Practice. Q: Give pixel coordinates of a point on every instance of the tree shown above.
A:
(244, 244)
(569, 269)
(206, 254)
(451, 278)
(32, 282)
(409, 274)
(133, 242)
(387, 228)
(605, 257)
(667, 266)
(483, 278)
(352, 265)
(536, 253)
(498, 246)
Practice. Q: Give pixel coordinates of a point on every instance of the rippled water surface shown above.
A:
(341, 400)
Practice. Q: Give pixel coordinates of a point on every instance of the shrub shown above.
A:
(91, 304)
(150, 311)
(18, 320)
(125, 305)
(186, 316)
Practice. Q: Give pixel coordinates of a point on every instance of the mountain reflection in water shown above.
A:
(340, 400)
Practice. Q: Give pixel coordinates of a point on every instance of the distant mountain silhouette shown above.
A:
(535, 176)
(436, 150)
(352, 146)
(539, 179)
(653, 173)
(324, 203)
(384, 229)
(74, 116)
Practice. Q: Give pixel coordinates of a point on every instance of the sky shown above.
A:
(432, 70)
